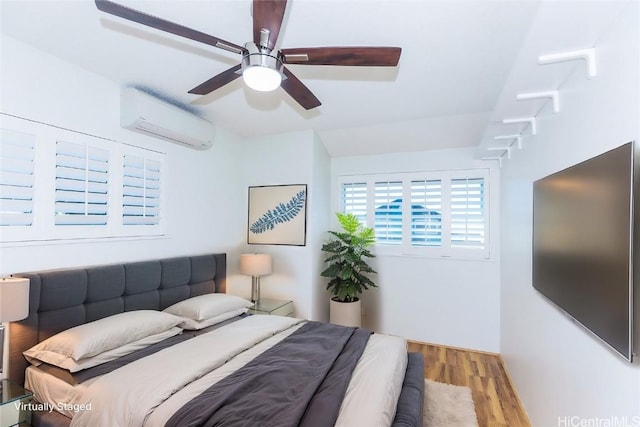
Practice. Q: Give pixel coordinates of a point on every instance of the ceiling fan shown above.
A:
(261, 68)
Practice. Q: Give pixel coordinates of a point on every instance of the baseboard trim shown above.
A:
(455, 348)
(515, 390)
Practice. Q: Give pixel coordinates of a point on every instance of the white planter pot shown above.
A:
(345, 313)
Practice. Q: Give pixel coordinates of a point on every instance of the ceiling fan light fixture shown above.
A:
(260, 70)
(260, 78)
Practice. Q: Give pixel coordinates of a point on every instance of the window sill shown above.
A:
(27, 243)
(482, 256)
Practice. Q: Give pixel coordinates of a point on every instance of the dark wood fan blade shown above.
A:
(217, 82)
(298, 91)
(161, 24)
(268, 14)
(359, 56)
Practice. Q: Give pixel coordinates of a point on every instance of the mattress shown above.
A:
(371, 396)
(54, 393)
(370, 399)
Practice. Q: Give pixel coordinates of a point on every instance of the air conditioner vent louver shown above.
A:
(149, 115)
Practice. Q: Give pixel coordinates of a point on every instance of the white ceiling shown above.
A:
(456, 58)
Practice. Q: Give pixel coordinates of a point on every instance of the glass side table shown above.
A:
(15, 405)
(273, 307)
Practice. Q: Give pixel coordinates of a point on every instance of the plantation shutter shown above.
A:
(388, 212)
(432, 213)
(426, 213)
(82, 185)
(467, 213)
(354, 200)
(16, 178)
(140, 191)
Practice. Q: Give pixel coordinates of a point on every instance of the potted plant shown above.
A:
(347, 269)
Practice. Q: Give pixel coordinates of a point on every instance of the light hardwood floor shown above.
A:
(496, 401)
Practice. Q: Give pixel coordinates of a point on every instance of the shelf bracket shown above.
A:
(530, 120)
(506, 149)
(553, 94)
(589, 56)
(516, 136)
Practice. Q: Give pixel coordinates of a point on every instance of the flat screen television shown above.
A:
(583, 226)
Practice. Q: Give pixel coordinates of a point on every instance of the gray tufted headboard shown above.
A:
(61, 299)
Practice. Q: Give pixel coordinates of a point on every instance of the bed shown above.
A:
(386, 387)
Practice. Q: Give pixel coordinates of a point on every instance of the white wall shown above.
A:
(207, 194)
(202, 192)
(451, 302)
(291, 158)
(559, 369)
(319, 216)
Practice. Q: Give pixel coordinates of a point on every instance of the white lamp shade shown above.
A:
(255, 264)
(262, 79)
(14, 299)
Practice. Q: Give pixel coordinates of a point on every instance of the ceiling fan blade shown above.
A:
(217, 81)
(298, 91)
(161, 24)
(268, 14)
(359, 56)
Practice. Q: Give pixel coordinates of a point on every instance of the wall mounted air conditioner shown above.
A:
(151, 116)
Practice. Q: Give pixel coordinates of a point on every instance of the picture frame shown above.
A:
(277, 215)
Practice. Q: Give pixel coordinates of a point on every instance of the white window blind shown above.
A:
(140, 191)
(388, 212)
(16, 178)
(426, 213)
(59, 184)
(354, 200)
(467, 213)
(82, 184)
(435, 213)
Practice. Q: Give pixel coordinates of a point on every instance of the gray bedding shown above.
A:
(299, 382)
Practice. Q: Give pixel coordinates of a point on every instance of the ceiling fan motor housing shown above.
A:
(254, 56)
(259, 61)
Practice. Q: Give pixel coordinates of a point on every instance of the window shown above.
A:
(59, 184)
(388, 212)
(467, 212)
(82, 184)
(16, 178)
(432, 213)
(354, 199)
(140, 191)
(426, 213)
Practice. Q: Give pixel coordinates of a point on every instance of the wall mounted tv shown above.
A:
(583, 226)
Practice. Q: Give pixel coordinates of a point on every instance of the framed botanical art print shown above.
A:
(277, 215)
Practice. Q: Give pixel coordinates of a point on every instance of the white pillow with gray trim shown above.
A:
(209, 309)
(93, 338)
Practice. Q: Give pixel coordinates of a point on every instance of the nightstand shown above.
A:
(14, 406)
(273, 307)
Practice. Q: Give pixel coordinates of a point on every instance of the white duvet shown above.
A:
(149, 391)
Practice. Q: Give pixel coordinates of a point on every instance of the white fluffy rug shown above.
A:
(447, 405)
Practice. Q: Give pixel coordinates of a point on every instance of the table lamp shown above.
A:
(14, 305)
(255, 265)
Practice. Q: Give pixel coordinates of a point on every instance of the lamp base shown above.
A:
(255, 288)
(1, 349)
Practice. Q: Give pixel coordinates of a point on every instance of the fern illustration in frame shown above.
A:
(277, 215)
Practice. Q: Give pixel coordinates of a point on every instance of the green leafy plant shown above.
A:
(347, 268)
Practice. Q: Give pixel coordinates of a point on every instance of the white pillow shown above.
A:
(207, 306)
(106, 334)
(195, 324)
(37, 357)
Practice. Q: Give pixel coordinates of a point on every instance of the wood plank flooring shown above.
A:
(495, 399)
